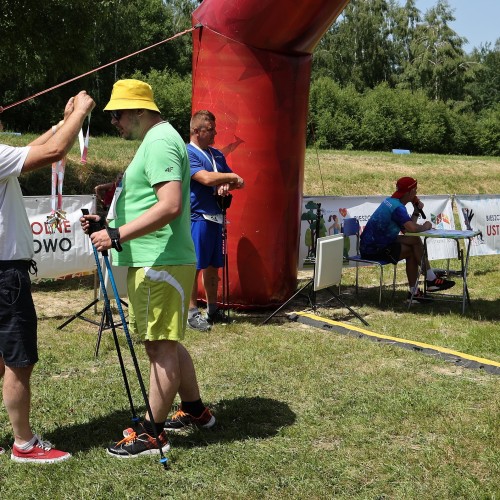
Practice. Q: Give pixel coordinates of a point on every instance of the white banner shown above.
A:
(67, 249)
(481, 213)
(334, 209)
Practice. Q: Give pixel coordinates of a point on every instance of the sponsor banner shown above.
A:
(481, 213)
(334, 209)
(65, 250)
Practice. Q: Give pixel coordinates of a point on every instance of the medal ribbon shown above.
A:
(84, 143)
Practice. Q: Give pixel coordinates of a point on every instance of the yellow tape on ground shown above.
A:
(420, 345)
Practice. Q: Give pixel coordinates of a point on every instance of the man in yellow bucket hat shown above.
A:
(149, 231)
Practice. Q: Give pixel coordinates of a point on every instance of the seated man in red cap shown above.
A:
(381, 238)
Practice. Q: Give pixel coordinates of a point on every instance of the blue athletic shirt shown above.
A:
(203, 197)
(384, 226)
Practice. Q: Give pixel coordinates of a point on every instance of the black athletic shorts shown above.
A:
(18, 322)
(390, 253)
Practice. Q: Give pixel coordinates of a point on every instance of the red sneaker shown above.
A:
(42, 452)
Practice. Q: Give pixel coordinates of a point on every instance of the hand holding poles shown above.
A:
(102, 236)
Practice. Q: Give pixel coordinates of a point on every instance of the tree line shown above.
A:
(45, 43)
(385, 75)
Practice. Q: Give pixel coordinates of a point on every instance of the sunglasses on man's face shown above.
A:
(116, 115)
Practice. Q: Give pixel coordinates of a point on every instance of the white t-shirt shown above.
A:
(16, 238)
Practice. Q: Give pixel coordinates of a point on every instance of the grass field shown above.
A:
(302, 413)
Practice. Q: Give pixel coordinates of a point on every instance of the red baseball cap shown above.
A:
(403, 186)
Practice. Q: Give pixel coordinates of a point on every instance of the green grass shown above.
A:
(302, 412)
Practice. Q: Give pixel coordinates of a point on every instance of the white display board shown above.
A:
(329, 261)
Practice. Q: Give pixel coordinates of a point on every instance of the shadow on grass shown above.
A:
(238, 419)
(478, 309)
(61, 285)
(324, 301)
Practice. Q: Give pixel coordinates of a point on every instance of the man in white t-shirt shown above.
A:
(18, 321)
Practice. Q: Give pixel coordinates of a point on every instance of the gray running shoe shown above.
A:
(198, 322)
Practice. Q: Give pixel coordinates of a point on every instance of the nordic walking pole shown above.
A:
(224, 203)
(96, 226)
(225, 272)
(107, 308)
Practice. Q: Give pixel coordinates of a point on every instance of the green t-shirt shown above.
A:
(161, 157)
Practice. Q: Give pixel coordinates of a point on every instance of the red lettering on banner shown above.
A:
(493, 230)
(39, 227)
(42, 227)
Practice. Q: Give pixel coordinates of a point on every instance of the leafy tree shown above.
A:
(48, 43)
(38, 50)
(173, 96)
(484, 90)
(439, 65)
(488, 131)
(335, 115)
(404, 21)
(357, 49)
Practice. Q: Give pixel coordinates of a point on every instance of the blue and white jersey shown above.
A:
(384, 226)
(203, 199)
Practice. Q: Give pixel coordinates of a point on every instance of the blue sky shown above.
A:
(476, 20)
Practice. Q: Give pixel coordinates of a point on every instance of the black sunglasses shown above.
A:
(116, 115)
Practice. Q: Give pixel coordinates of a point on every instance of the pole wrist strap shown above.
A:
(114, 235)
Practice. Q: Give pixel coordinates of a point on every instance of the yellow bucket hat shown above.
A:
(131, 94)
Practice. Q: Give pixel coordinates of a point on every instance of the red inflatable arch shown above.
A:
(251, 68)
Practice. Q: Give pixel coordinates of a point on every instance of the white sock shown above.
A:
(28, 445)
(431, 276)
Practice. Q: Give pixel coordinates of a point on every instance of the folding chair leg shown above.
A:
(381, 285)
(394, 284)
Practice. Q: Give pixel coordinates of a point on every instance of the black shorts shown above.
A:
(18, 322)
(390, 253)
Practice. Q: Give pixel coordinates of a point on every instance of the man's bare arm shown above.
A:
(56, 146)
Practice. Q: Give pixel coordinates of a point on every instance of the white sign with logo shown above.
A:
(66, 249)
(481, 213)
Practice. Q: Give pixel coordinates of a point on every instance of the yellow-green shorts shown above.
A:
(159, 301)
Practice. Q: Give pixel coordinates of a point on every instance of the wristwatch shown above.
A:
(114, 234)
